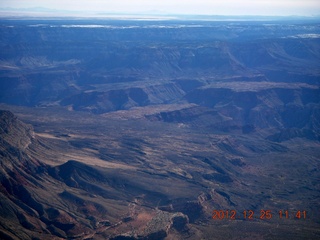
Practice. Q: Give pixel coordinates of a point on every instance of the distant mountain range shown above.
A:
(151, 15)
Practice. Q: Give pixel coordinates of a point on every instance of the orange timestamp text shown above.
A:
(262, 214)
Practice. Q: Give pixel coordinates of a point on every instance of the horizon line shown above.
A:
(50, 12)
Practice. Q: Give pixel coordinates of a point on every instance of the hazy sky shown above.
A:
(214, 7)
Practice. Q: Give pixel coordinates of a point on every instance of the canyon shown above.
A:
(123, 129)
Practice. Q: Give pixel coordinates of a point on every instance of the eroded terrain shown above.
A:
(141, 131)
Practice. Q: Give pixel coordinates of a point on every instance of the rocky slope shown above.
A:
(141, 130)
(147, 180)
(72, 200)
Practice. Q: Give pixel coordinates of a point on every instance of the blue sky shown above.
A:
(212, 7)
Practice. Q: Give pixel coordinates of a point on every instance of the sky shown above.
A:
(194, 7)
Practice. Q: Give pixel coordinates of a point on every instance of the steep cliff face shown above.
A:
(16, 137)
(74, 199)
(14, 132)
(18, 174)
(48, 64)
(262, 105)
(146, 179)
